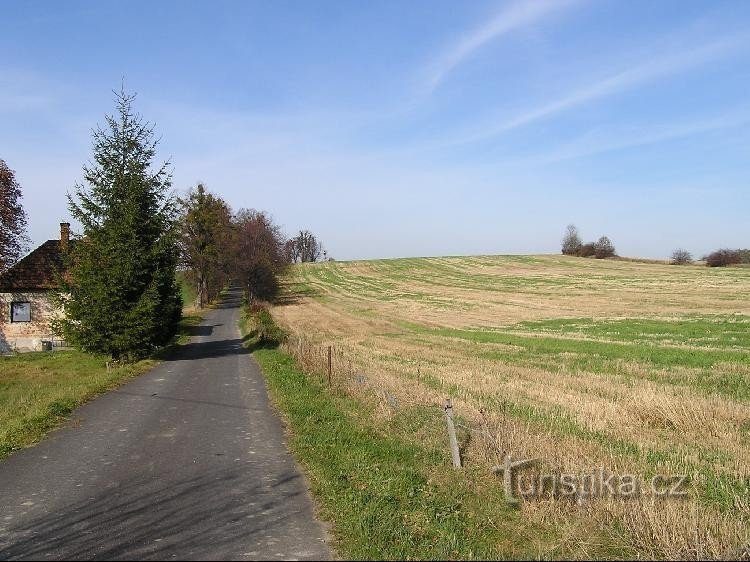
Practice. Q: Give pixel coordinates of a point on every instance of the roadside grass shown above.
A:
(386, 494)
(187, 291)
(39, 390)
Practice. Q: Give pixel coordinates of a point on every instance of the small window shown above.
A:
(20, 312)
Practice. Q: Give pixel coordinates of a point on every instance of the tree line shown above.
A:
(572, 245)
(119, 288)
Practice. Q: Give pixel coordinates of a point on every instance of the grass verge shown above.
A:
(39, 390)
(386, 496)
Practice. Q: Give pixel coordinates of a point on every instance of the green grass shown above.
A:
(39, 390)
(731, 331)
(634, 341)
(387, 496)
(187, 290)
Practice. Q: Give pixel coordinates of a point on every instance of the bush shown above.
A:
(587, 250)
(262, 283)
(604, 248)
(681, 257)
(724, 257)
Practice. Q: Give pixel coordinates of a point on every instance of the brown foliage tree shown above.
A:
(260, 253)
(13, 239)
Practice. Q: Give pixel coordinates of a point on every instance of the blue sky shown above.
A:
(398, 128)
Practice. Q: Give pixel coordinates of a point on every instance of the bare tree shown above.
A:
(13, 239)
(681, 257)
(571, 242)
(603, 248)
(305, 247)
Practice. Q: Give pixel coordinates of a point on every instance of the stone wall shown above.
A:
(26, 336)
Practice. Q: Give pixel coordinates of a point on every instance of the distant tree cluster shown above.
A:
(247, 246)
(720, 258)
(725, 257)
(573, 246)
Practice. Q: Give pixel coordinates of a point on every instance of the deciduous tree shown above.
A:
(205, 242)
(13, 239)
(603, 248)
(305, 247)
(260, 253)
(681, 257)
(571, 242)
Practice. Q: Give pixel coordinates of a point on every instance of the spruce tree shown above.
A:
(120, 296)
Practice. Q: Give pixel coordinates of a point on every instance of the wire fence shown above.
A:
(334, 368)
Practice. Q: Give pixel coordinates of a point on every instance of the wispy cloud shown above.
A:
(599, 141)
(515, 16)
(660, 67)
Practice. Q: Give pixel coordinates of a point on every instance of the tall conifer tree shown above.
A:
(120, 296)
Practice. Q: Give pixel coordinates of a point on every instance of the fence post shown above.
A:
(329, 365)
(456, 457)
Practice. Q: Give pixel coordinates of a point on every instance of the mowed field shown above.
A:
(640, 368)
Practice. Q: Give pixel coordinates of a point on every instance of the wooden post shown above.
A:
(453, 442)
(329, 365)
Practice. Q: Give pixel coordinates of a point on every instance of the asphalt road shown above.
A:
(185, 462)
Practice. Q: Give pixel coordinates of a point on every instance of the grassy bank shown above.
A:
(386, 495)
(187, 291)
(39, 390)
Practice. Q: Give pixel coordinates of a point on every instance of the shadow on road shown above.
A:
(195, 517)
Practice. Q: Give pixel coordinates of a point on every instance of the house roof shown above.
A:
(36, 271)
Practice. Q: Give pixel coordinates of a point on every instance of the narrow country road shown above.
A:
(185, 462)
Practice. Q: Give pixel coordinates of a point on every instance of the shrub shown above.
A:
(681, 257)
(724, 257)
(587, 250)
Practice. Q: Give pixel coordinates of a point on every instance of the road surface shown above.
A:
(185, 462)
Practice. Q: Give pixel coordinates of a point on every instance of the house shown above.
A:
(25, 305)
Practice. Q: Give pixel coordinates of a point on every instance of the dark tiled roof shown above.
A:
(38, 270)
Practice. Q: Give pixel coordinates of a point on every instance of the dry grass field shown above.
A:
(640, 368)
